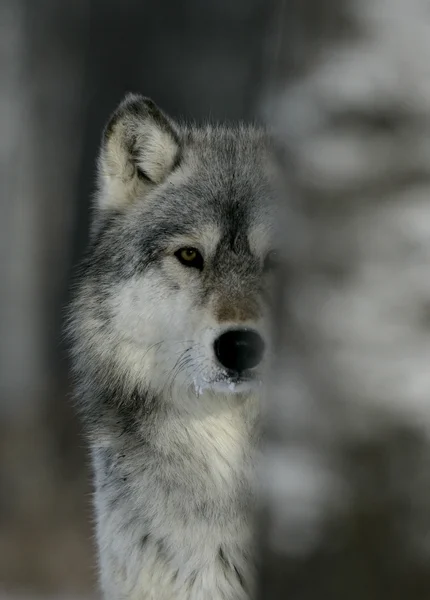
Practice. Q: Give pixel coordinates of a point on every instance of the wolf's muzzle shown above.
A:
(239, 349)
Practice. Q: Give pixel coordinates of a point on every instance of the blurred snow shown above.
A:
(348, 424)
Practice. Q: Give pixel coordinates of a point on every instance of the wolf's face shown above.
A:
(176, 286)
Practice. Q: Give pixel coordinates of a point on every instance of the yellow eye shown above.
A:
(188, 254)
(190, 257)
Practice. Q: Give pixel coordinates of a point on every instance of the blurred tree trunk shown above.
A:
(44, 534)
(345, 475)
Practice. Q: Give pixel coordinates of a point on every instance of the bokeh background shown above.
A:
(64, 67)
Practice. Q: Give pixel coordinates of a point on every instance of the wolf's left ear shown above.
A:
(140, 147)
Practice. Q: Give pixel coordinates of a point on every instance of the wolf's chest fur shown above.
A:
(174, 508)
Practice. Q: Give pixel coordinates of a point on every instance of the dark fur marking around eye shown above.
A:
(196, 261)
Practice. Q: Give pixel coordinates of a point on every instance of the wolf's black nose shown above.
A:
(239, 349)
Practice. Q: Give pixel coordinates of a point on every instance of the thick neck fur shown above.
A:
(174, 486)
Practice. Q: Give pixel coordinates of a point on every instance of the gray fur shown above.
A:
(173, 437)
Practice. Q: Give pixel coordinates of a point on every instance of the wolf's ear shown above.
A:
(140, 148)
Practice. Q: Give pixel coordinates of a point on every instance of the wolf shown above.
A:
(171, 339)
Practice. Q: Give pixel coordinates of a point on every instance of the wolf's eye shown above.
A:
(190, 257)
(271, 262)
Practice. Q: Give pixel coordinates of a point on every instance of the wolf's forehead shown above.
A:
(228, 208)
(217, 220)
(253, 237)
(221, 187)
(227, 181)
(232, 157)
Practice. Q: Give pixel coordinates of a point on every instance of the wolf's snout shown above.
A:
(239, 349)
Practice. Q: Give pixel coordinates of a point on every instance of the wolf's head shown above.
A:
(175, 290)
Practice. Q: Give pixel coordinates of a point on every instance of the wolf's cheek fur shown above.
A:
(156, 325)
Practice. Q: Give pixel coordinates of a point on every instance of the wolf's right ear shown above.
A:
(140, 147)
